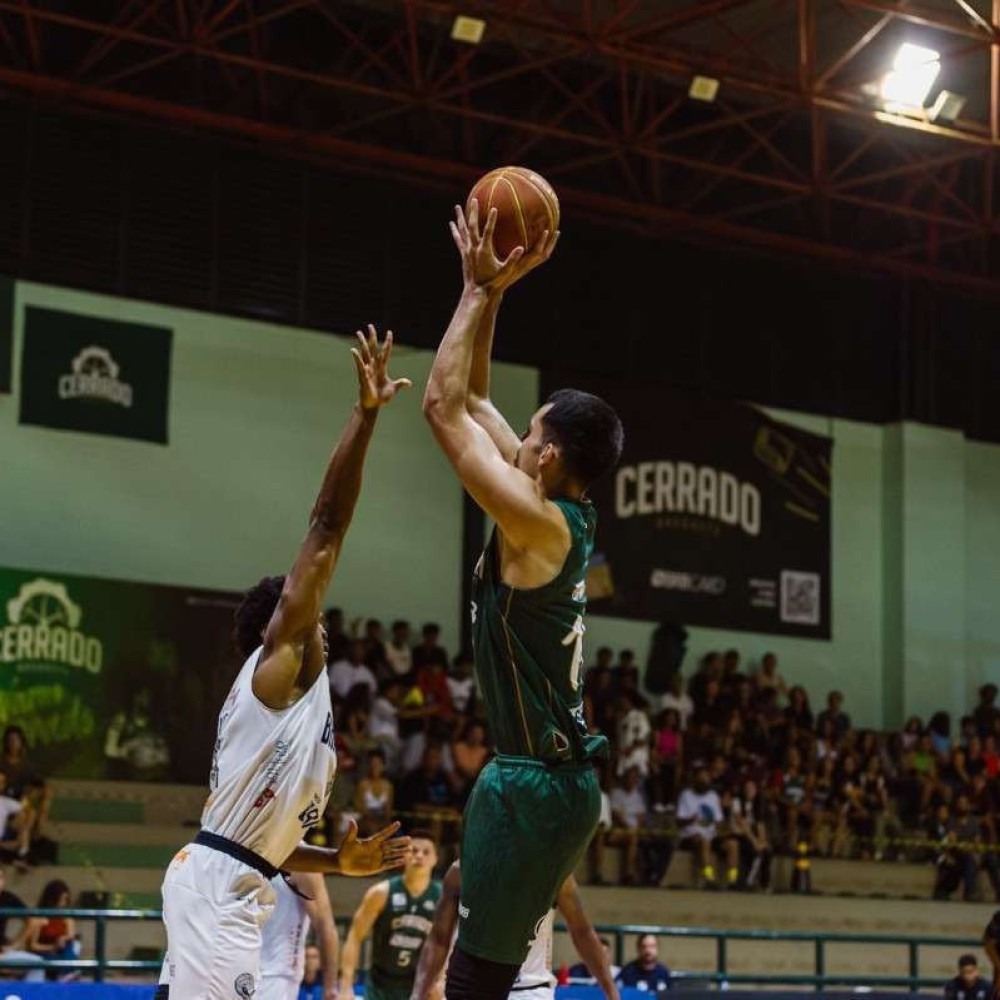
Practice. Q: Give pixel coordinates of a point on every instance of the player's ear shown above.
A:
(548, 454)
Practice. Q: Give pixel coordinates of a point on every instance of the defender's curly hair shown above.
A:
(254, 613)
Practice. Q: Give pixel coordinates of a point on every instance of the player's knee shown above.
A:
(473, 978)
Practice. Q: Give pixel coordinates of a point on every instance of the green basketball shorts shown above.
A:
(527, 824)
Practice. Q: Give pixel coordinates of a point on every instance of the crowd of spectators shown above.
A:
(732, 765)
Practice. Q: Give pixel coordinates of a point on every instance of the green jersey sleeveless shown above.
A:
(400, 931)
(529, 651)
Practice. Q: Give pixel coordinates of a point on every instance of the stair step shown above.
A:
(65, 808)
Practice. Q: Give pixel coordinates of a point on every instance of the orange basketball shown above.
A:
(526, 206)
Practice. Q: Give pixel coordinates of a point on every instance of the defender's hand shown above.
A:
(481, 267)
(371, 359)
(373, 854)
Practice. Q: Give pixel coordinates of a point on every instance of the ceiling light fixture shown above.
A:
(914, 71)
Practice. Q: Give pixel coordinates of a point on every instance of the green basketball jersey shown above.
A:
(529, 651)
(400, 931)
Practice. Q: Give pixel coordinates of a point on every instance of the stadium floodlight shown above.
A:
(468, 29)
(914, 71)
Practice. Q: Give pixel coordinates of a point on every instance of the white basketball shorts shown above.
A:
(214, 908)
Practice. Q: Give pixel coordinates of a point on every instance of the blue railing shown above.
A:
(819, 979)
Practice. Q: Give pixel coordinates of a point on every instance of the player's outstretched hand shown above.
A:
(481, 267)
(371, 359)
(372, 854)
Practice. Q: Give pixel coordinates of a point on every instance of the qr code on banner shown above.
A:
(799, 597)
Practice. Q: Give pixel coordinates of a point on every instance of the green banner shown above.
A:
(111, 679)
(99, 376)
(6, 330)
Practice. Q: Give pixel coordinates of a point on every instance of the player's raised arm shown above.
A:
(434, 954)
(372, 904)
(291, 661)
(479, 403)
(317, 905)
(585, 940)
(507, 494)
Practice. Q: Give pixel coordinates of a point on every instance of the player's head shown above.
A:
(254, 613)
(647, 949)
(423, 851)
(968, 969)
(573, 440)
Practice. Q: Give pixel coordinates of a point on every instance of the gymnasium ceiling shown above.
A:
(793, 155)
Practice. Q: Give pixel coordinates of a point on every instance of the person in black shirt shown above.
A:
(968, 984)
(646, 972)
(429, 653)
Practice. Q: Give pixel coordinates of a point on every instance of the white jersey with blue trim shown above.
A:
(272, 769)
(536, 969)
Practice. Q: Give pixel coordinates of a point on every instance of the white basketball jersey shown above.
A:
(283, 940)
(272, 771)
(536, 969)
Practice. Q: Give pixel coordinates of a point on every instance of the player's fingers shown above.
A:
(512, 258)
(491, 224)
(352, 833)
(386, 832)
(473, 220)
(550, 249)
(540, 245)
(461, 224)
(402, 383)
(358, 363)
(373, 344)
(366, 356)
(387, 346)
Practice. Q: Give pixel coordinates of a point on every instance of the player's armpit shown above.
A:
(509, 496)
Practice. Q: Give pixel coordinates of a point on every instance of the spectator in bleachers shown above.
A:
(710, 668)
(646, 972)
(375, 648)
(429, 651)
(912, 731)
(430, 787)
(625, 675)
(678, 700)
(732, 678)
(337, 642)
(462, 684)
(991, 759)
(629, 813)
(8, 901)
(398, 654)
(52, 938)
(599, 700)
(968, 984)
(939, 729)
(986, 715)
(23, 780)
(374, 796)
(767, 678)
(634, 734)
(432, 679)
(667, 759)
(311, 987)
(15, 826)
(345, 673)
(699, 813)
(958, 861)
(798, 713)
(834, 713)
(749, 822)
(383, 727)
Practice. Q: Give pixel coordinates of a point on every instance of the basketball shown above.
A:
(526, 205)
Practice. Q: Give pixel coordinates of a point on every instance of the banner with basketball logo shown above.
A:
(6, 330)
(95, 375)
(114, 679)
(717, 515)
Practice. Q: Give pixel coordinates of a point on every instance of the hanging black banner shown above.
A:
(100, 376)
(717, 515)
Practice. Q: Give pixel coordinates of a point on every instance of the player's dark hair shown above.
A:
(422, 833)
(254, 613)
(588, 432)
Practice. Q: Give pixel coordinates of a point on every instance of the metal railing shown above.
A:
(100, 965)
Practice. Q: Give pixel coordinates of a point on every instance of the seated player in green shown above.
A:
(534, 808)
(398, 913)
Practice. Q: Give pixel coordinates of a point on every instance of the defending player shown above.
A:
(274, 760)
(534, 979)
(534, 808)
(301, 904)
(398, 912)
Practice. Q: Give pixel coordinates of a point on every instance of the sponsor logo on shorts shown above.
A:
(245, 986)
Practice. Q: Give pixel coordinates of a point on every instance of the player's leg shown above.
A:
(278, 988)
(471, 977)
